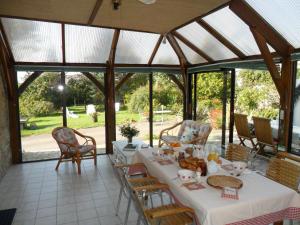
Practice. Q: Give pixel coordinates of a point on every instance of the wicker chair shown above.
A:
(243, 131)
(284, 172)
(237, 152)
(70, 148)
(200, 137)
(263, 133)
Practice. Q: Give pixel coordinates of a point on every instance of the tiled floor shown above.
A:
(43, 196)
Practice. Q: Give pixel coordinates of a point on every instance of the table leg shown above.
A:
(279, 223)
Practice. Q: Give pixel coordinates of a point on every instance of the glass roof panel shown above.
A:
(135, 47)
(87, 44)
(206, 42)
(192, 56)
(238, 33)
(165, 55)
(33, 41)
(283, 15)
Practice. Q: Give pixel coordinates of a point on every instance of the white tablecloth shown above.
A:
(261, 201)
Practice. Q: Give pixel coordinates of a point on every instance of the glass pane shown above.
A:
(33, 41)
(87, 44)
(192, 56)
(165, 54)
(135, 47)
(238, 33)
(206, 42)
(296, 119)
(283, 15)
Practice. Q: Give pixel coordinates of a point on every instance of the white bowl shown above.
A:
(185, 175)
(238, 167)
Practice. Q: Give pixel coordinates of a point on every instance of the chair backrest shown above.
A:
(202, 130)
(241, 125)
(64, 134)
(237, 152)
(263, 130)
(284, 172)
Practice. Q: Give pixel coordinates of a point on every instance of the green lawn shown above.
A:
(46, 124)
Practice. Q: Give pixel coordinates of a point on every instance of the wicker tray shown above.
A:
(221, 181)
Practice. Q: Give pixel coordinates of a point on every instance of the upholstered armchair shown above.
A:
(70, 148)
(190, 132)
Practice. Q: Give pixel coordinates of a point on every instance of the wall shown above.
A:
(5, 153)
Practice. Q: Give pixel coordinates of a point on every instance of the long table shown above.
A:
(261, 200)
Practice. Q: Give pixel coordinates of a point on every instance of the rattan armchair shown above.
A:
(237, 152)
(70, 148)
(263, 133)
(243, 131)
(284, 172)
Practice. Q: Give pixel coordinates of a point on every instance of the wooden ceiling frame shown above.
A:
(96, 82)
(6, 43)
(221, 38)
(94, 12)
(177, 82)
(158, 43)
(63, 44)
(249, 16)
(28, 81)
(193, 47)
(123, 80)
(6, 64)
(174, 44)
(112, 53)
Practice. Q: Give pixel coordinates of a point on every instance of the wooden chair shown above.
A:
(243, 131)
(70, 148)
(237, 152)
(263, 133)
(285, 172)
(200, 137)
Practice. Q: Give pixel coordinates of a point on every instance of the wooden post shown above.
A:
(195, 97)
(224, 100)
(189, 97)
(151, 108)
(232, 98)
(63, 98)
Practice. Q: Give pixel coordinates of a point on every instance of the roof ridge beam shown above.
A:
(155, 49)
(174, 44)
(193, 47)
(246, 13)
(221, 38)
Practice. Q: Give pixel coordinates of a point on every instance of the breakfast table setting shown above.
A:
(221, 192)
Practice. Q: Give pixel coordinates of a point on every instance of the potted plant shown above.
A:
(129, 132)
(94, 117)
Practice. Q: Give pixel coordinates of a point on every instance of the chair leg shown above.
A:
(73, 159)
(58, 163)
(127, 210)
(119, 200)
(78, 161)
(95, 157)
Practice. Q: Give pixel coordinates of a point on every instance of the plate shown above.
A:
(222, 181)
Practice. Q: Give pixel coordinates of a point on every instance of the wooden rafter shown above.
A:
(112, 53)
(182, 59)
(28, 81)
(155, 49)
(97, 83)
(95, 11)
(4, 61)
(177, 82)
(193, 47)
(266, 54)
(254, 20)
(6, 43)
(123, 80)
(221, 38)
(63, 44)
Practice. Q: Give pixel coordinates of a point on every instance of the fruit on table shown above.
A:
(175, 144)
(213, 156)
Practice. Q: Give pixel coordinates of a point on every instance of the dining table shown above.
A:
(260, 200)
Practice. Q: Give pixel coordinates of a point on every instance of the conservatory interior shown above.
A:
(209, 90)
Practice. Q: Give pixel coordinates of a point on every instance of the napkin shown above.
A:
(230, 193)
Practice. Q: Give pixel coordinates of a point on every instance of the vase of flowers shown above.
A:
(129, 132)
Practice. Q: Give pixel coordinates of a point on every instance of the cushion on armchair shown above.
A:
(66, 135)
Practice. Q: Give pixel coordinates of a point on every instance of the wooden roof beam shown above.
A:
(112, 53)
(63, 44)
(97, 83)
(266, 54)
(28, 81)
(222, 39)
(94, 12)
(155, 49)
(6, 43)
(177, 82)
(254, 20)
(192, 46)
(123, 80)
(182, 59)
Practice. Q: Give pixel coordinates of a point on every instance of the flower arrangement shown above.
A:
(129, 131)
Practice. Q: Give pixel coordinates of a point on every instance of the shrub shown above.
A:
(35, 108)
